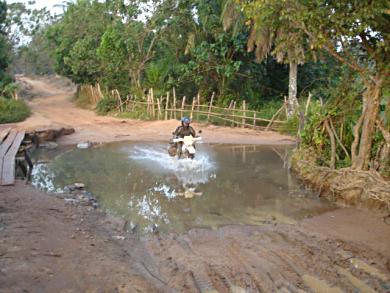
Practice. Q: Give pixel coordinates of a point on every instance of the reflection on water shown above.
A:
(222, 185)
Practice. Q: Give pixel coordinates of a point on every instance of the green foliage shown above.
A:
(157, 76)
(76, 38)
(36, 58)
(291, 126)
(5, 79)
(13, 111)
(106, 105)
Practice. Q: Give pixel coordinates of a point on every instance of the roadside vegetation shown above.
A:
(11, 110)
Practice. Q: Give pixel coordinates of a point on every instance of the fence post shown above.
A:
(197, 108)
(166, 107)
(159, 109)
(192, 107)
(174, 104)
(119, 100)
(183, 102)
(99, 91)
(211, 104)
(254, 119)
(244, 114)
(152, 101)
(148, 104)
(274, 116)
(234, 113)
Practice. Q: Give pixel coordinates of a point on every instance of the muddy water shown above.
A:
(225, 184)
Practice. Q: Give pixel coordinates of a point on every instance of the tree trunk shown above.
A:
(135, 76)
(371, 101)
(292, 103)
(383, 160)
(332, 144)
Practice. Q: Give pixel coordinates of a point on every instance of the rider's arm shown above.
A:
(177, 131)
(192, 131)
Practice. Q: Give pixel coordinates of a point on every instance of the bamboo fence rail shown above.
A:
(169, 107)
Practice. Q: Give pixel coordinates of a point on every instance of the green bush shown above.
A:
(291, 127)
(13, 111)
(105, 105)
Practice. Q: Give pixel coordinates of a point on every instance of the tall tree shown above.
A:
(76, 37)
(4, 46)
(271, 33)
(357, 34)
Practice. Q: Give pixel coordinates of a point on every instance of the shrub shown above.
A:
(13, 110)
(105, 105)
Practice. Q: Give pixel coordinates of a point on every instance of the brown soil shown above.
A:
(49, 246)
(352, 187)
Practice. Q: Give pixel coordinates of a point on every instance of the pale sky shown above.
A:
(49, 4)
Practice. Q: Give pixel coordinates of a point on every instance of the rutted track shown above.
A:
(266, 259)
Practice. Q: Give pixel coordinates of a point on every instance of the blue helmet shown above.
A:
(185, 120)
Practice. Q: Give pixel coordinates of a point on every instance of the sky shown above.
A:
(49, 4)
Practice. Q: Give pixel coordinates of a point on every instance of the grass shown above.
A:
(13, 111)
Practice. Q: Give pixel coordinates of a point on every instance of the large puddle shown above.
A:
(224, 184)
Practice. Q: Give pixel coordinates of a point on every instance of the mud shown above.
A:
(277, 258)
(367, 189)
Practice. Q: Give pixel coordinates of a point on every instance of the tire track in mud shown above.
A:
(265, 259)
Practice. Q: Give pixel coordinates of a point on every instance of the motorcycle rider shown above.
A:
(184, 130)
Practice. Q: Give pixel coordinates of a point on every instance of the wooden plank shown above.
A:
(7, 144)
(8, 170)
(3, 133)
(4, 147)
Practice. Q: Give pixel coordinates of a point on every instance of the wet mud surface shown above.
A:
(47, 245)
(277, 258)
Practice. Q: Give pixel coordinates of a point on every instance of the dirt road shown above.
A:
(53, 107)
(47, 245)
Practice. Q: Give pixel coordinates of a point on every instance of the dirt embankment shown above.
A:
(47, 245)
(365, 189)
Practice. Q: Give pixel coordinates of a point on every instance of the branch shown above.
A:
(385, 132)
(331, 50)
(355, 142)
(333, 145)
(338, 139)
(370, 50)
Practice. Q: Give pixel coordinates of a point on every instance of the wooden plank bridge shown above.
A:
(10, 142)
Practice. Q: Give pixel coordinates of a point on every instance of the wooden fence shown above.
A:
(169, 107)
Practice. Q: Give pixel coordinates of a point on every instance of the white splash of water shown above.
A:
(188, 172)
(43, 178)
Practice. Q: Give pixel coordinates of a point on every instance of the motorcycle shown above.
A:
(184, 147)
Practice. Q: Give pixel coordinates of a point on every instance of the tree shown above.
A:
(271, 33)
(356, 34)
(76, 38)
(4, 47)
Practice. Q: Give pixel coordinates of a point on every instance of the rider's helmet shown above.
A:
(185, 121)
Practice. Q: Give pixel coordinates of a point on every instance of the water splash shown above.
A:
(188, 172)
(43, 178)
